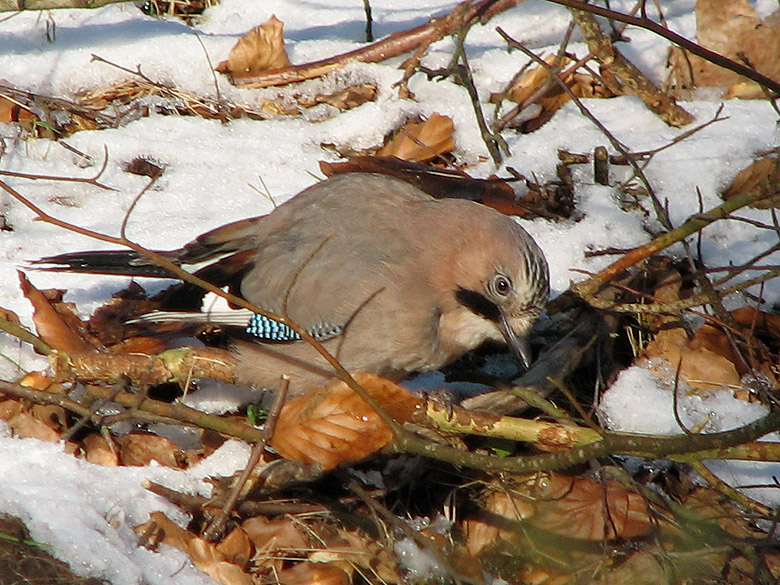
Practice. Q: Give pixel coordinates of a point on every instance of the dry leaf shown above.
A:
(37, 380)
(345, 99)
(53, 416)
(225, 573)
(9, 408)
(55, 323)
(274, 539)
(531, 82)
(167, 531)
(314, 573)
(205, 555)
(261, 49)
(26, 426)
(573, 507)
(762, 176)
(422, 141)
(12, 111)
(584, 508)
(734, 30)
(482, 533)
(139, 450)
(98, 451)
(236, 547)
(349, 549)
(700, 367)
(533, 90)
(334, 425)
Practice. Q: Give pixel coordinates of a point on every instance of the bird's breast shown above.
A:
(461, 331)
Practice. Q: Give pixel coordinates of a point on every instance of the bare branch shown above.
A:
(16, 5)
(392, 46)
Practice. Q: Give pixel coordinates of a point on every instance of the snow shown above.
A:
(213, 171)
(86, 513)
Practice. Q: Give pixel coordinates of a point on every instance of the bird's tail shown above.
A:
(119, 262)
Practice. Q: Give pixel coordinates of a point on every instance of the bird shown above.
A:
(389, 279)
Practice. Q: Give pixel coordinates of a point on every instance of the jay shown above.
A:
(390, 280)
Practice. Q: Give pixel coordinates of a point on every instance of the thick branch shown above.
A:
(696, 446)
(633, 79)
(14, 5)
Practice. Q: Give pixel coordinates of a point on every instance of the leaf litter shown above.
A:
(537, 527)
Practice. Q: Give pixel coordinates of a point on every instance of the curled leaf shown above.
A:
(334, 425)
(762, 176)
(422, 141)
(261, 49)
(56, 324)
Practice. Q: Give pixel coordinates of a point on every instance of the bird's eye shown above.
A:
(502, 286)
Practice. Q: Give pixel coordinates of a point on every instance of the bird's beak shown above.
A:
(518, 344)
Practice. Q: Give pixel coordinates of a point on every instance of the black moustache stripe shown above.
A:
(479, 304)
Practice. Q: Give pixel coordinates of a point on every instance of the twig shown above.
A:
(688, 45)
(15, 5)
(459, 420)
(587, 288)
(392, 46)
(163, 262)
(369, 21)
(94, 180)
(53, 102)
(612, 59)
(216, 527)
(619, 146)
(733, 494)
(425, 543)
(681, 447)
(493, 140)
(9, 322)
(43, 397)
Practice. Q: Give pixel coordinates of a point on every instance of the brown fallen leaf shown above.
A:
(762, 176)
(274, 540)
(24, 425)
(571, 507)
(236, 547)
(580, 507)
(334, 425)
(13, 111)
(205, 555)
(309, 573)
(700, 367)
(441, 183)
(55, 322)
(261, 49)
(140, 449)
(98, 451)
(345, 99)
(734, 30)
(10, 408)
(422, 141)
(37, 380)
(534, 89)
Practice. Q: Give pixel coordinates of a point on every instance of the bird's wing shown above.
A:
(333, 249)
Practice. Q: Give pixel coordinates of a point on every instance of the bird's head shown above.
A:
(500, 281)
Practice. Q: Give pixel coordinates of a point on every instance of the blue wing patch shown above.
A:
(268, 330)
